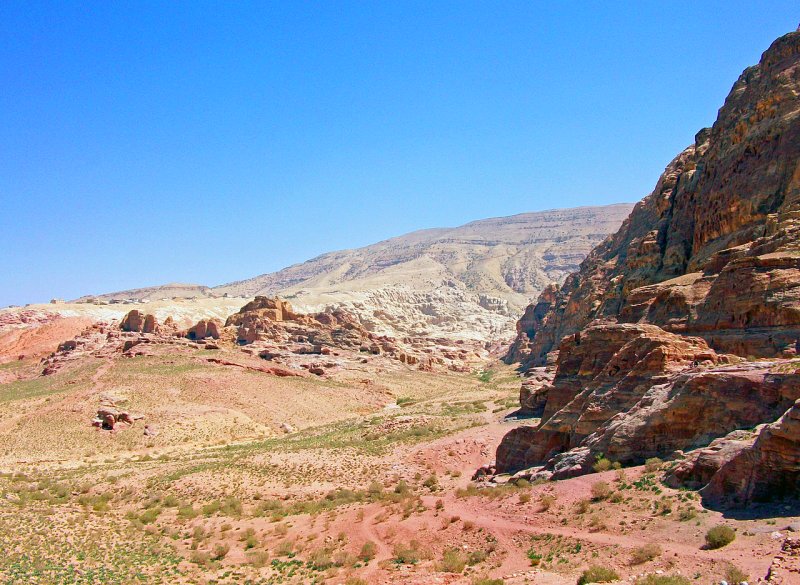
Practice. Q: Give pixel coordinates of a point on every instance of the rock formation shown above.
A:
(681, 328)
(713, 251)
(203, 329)
(767, 469)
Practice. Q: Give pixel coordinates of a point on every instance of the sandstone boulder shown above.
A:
(133, 321)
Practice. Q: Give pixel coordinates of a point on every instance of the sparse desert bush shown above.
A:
(663, 580)
(652, 465)
(221, 549)
(406, 554)
(546, 501)
(284, 548)
(199, 557)
(583, 506)
(524, 498)
(258, 558)
(249, 539)
(597, 574)
(734, 575)
(453, 561)
(368, 551)
(487, 581)
(431, 482)
(600, 491)
(596, 523)
(719, 536)
(321, 559)
(687, 514)
(171, 501)
(646, 553)
(343, 558)
(476, 557)
(187, 512)
(601, 464)
(149, 516)
(355, 581)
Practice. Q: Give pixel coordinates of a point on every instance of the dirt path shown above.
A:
(366, 530)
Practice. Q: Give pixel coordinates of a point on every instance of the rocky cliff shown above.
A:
(713, 250)
(655, 330)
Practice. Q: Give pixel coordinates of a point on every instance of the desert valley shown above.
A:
(587, 395)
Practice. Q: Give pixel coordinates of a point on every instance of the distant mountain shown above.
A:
(471, 281)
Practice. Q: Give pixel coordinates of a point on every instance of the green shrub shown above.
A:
(149, 516)
(453, 561)
(487, 581)
(187, 512)
(719, 536)
(602, 464)
(406, 554)
(597, 574)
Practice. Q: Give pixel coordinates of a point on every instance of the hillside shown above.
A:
(471, 281)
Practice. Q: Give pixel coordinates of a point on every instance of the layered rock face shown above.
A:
(713, 251)
(769, 468)
(681, 328)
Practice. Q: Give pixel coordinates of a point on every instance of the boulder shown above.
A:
(150, 324)
(133, 321)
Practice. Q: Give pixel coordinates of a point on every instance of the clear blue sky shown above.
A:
(148, 142)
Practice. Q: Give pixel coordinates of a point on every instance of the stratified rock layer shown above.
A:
(768, 469)
(682, 327)
(713, 251)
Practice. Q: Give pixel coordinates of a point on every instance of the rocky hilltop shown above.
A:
(468, 282)
(684, 326)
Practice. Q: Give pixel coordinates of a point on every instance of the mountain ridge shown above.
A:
(466, 281)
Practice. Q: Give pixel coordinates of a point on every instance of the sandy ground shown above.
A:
(380, 453)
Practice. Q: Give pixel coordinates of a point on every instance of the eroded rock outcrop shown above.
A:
(713, 251)
(680, 329)
(205, 328)
(769, 469)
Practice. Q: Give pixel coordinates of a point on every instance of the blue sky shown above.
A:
(148, 142)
